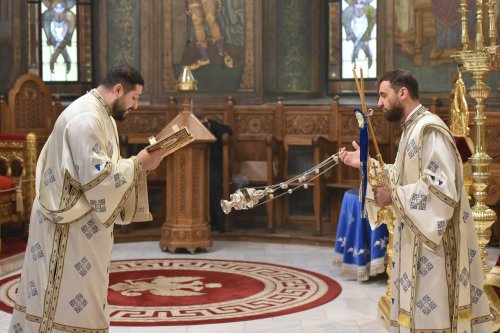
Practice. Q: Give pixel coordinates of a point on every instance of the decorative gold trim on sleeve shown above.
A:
(106, 172)
(480, 320)
(126, 195)
(399, 208)
(465, 313)
(440, 195)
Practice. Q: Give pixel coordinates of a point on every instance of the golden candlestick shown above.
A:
(480, 62)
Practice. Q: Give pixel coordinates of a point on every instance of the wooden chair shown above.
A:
(30, 108)
(18, 157)
(254, 174)
(275, 155)
(323, 148)
(297, 157)
(309, 136)
(254, 158)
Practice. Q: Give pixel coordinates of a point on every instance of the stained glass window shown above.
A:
(60, 40)
(352, 38)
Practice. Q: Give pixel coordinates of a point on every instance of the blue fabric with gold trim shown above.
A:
(359, 250)
(363, 156)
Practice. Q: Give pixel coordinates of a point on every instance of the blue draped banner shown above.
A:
(359, 250)
(363, 156)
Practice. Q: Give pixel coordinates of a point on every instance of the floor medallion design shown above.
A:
(156, 292)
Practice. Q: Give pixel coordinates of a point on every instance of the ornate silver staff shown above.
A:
(250, 197)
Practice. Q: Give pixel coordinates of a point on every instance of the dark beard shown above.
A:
(395, 114)
(118, 112)
(119, 116)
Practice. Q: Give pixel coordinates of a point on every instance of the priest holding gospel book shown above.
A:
(83, 187)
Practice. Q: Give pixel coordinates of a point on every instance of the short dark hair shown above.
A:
(399, 78)
(125, 75)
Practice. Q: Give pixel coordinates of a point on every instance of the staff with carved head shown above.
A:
(436, 267)
(375, 174)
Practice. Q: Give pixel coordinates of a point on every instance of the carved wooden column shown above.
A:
(187, 224)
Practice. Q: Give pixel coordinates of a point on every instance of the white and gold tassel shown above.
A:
(19, 200)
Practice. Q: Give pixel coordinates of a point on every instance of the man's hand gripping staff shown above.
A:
(377, 176)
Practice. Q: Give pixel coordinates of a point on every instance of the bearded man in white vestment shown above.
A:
(436, 281)
(83, 187)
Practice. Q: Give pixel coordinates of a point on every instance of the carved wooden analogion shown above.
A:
(187, 224)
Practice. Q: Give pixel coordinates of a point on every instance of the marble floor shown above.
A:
(353, 311)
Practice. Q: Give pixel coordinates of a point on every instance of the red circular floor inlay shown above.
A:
(156, 292)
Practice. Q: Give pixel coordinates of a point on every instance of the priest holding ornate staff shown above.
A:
(436, 277)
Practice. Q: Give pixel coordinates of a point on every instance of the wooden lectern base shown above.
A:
(191, 238)
(187, 186)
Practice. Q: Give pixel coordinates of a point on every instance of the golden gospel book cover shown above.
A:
(178, 138)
